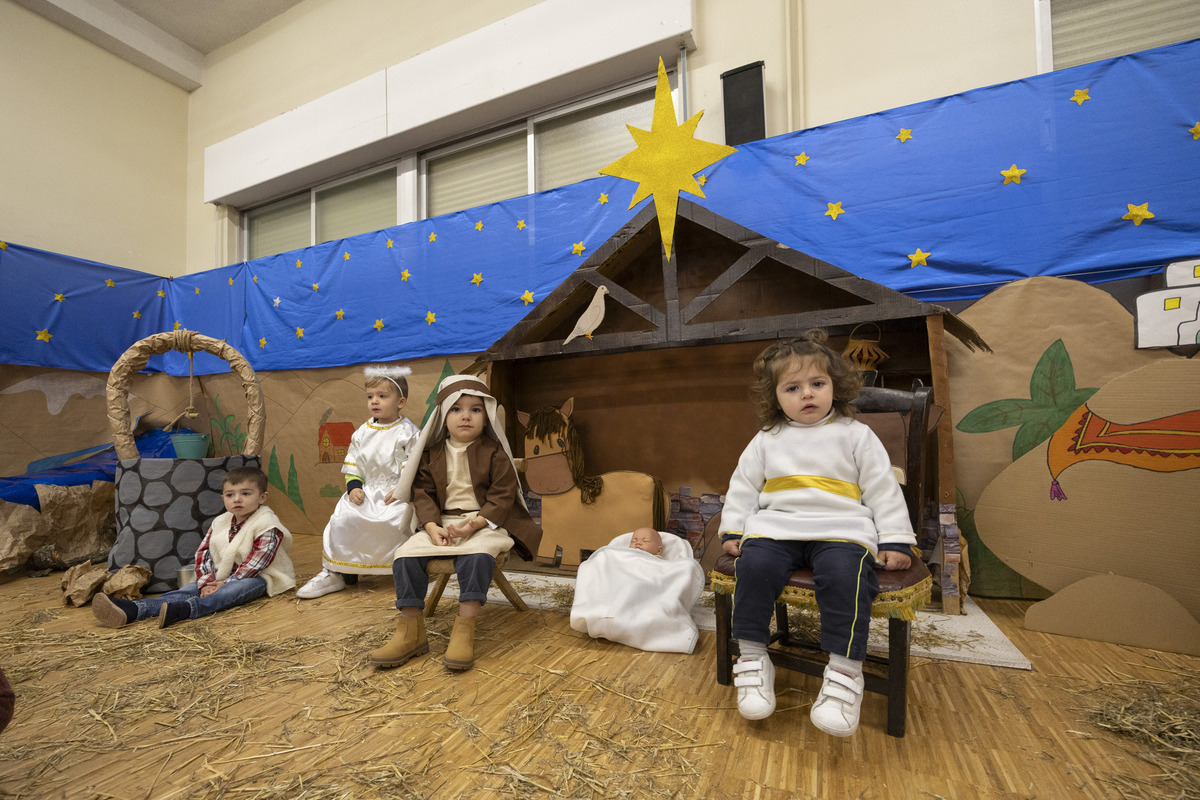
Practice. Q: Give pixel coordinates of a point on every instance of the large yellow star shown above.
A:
(44, 336)
(430, 318)
(918, 258)
(1080, 96)
(1012, 174)
(1138, 214)
(478, 279)
(834, 209)
(378, 325)
(527, 298)
(666, 159)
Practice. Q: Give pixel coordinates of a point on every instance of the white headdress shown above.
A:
(391, 373)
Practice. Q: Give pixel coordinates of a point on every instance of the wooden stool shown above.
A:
(443, 569)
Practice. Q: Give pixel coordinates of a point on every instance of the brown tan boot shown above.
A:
(460, 653)
(408, 642)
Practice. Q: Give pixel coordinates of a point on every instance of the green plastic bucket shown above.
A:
(190, 445)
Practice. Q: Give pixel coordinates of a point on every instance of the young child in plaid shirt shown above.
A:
(243, 556)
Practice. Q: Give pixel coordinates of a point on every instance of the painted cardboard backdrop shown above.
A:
(1055, 341)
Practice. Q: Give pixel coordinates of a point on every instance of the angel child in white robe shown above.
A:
(368, 523)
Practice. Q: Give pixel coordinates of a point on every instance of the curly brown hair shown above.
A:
(776, 358)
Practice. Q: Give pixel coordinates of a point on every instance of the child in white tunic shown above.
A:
(368, 523)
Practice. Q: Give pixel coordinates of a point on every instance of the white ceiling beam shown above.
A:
(123, 33)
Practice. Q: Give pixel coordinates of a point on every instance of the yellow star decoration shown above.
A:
(231, 281)
(262, 342)
(478, 279)
(433, 237)
(299, 333)
(479, 225)
(527, 298)
(3, 245)
(137, 315)
(665, 160)
(918, 258)
(389, 244)
(111, 283)
(834, 209)
(404, 275)
(378, 325)
(178, 325)
(44, 336)
(1195, 131)
(256, 279)
(905, 134)
(1012, 174)
(1138, 214)
(340, 313)
(197, 290)
(1080, 96)
(702, 180)
(603, 200)
(577, 248)
(802, 159)
(520, 224)
(430, 318)
(346, 256)
(298, 262)
(161, 293)
(316, 287)
(59, 297)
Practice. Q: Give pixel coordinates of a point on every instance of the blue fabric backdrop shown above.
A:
(923, 208)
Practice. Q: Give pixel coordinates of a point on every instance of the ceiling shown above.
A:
(169, 38)
(205, 25)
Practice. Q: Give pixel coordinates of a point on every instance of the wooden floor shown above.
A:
(276, 700)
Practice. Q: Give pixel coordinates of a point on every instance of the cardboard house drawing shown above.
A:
(661, 385)
(1170, 317)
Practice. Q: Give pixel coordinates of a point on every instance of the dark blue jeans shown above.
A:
(474, 572)
(846, 586)
(231, 593)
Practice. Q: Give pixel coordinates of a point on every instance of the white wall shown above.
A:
(92, 150)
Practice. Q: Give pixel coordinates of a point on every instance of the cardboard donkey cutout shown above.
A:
(580, 513)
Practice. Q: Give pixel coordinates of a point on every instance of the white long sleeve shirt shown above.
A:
(825, 481)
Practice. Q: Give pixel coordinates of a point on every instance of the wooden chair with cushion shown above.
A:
(901, 594)
(442, 569)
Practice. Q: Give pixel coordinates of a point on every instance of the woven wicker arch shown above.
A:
(134, 360)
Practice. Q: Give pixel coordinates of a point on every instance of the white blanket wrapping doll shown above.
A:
(645, 601)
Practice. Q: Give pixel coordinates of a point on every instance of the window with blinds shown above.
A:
(573, 147)
(1083, 31)
(495, 169)
(357, 206)
(280, 226)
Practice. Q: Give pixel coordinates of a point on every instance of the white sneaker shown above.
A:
(323, 583)
(755, 682)
(839, 703)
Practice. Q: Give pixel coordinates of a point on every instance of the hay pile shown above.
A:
(1161, 719)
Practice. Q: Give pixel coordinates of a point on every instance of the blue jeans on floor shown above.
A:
(232, 593)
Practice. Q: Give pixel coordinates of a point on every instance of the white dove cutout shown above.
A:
(591, 317)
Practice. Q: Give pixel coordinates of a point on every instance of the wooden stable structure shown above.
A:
(661, 386)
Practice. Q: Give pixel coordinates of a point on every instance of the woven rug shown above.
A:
(969, 637)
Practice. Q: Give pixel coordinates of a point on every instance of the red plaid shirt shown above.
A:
(261, 555)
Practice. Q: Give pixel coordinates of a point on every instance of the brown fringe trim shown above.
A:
(902, 604)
